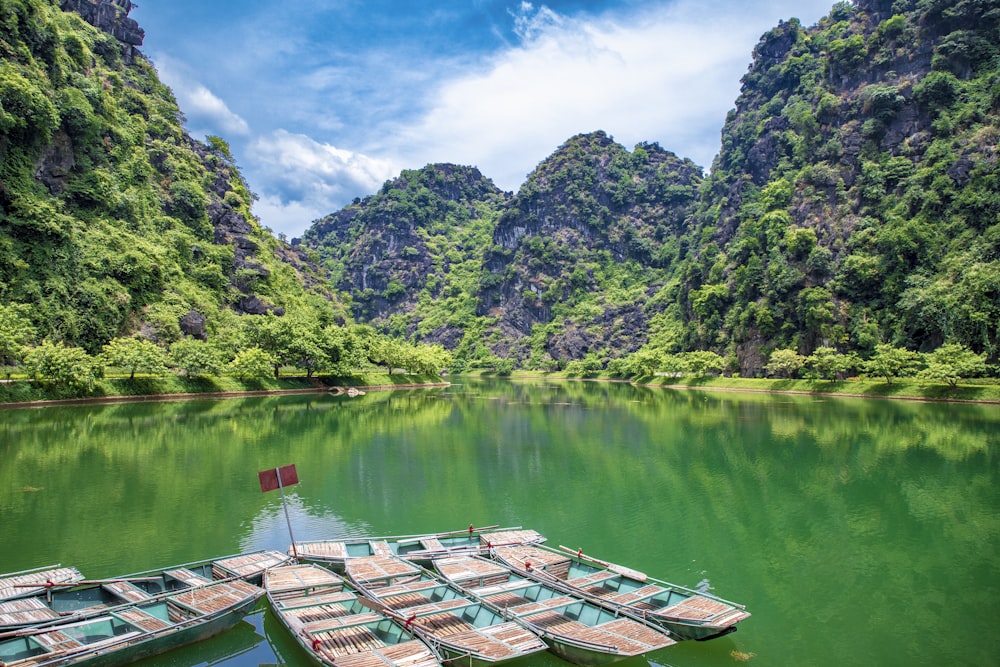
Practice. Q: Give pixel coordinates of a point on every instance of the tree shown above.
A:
(253, 363)
(951, 362)
(275, 335)
(890, 362)
(701, 361)
(135, 354)
(59, 364)
(827, 363)
(196, 358)
(784, 363)
(16, 332)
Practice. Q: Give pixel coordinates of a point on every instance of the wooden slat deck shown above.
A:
(126, 591)
(250, 565)
(322, 549)
(188, 577)
(409, 587)
(554, 563)
(56, 641)
(317, 612)
(636, 596)
(442, 605)
(406, 654)
(380, 568)
(698, 608)
(499, 642)
(210, 599)
(380, 548)
(25, 611)
(432, 544)
(30, 583)
(533, 607)
(589, 582)
(502, 537)
(467, 570)
(292, 581)
(141, 619)
(623, 636)
(332, 597)
(340, 622)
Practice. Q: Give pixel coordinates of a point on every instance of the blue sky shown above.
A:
(323, 101)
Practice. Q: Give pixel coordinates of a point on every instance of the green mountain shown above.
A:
(855, 201)
(112, 219)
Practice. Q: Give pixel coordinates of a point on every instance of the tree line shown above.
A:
(260, 347)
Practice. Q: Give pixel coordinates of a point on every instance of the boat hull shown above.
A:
(162, 644)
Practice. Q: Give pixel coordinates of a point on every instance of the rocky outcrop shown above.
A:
(111, 16)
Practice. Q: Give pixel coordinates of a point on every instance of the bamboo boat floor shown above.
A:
(19, 584)
(699, 608)
(623, 635)
(25, 611)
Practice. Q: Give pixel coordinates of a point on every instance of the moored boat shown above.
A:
(75, 597)
(133, 630)
(336, 626)
(419, 548)
(575, 629)
(686, 613)
(455, 623)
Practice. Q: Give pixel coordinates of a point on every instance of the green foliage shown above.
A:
(952, 362)
(70, 369)
(135, 355)
(890, 362)
(252, 363)
(16, 333)
(196, 358)
(785, 363)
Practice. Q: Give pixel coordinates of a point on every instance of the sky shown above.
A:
(322, 101)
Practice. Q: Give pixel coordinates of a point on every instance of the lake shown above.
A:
(855, 531)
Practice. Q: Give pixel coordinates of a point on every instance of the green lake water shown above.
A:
(856, 532)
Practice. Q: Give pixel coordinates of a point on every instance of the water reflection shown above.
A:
(833, 518)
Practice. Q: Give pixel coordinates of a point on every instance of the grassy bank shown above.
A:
(903, 388)
(24, 391)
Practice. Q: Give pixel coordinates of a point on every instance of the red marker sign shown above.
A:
(276, 478)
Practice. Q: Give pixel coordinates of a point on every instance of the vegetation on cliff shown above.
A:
(114, 223)
(854, 203)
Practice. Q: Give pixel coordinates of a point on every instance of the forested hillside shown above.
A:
(855, 202)
(112, 219)
(854, 206)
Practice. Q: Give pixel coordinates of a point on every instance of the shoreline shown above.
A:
(215, 395)
(339, 390)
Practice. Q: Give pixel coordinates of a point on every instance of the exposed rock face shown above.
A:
(54, 167)
(194, 324)
(111, 16)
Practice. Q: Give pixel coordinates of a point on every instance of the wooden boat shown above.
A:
(135, 629)
(418, 548)
(26, 583)
(75, 598)
(575, 629)
(686, 613)
(453, 622)
(336, 626)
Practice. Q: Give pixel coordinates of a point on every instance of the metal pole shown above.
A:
(284, 505)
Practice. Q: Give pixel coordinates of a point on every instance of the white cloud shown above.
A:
(202, 107)
(306, 179)
(669, 74)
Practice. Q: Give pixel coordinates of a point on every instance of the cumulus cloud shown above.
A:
(205, 111)
(667, 74)
(307, 179)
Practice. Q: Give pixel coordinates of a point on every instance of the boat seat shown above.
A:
(188, 577)
(25, 611)
(126, 591)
